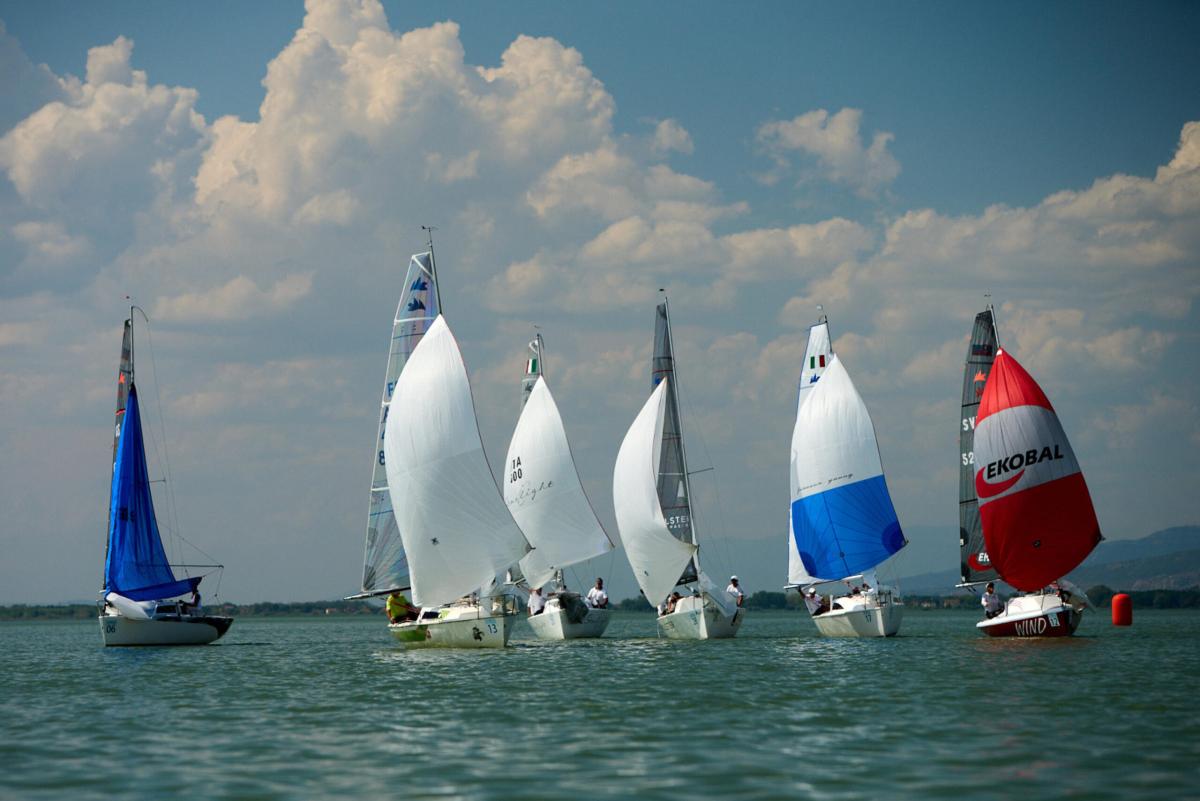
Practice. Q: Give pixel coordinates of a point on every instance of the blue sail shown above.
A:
(136, 566)
(843, 520)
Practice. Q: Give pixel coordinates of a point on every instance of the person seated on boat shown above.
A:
(399, 609)
(734, 590)
(537, 604)
(193, 606)
(817, 604)
(673, 601)
(597, 598)
(992, 603)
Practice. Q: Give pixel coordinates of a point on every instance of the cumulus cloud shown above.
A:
(669, 136)
(238, 299)
(834, 143)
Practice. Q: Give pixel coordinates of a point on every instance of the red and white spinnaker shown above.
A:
(1038, 519)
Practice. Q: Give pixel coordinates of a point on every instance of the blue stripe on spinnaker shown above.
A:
(848, 530)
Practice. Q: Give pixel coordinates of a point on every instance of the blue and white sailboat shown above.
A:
(143, 602)
(842, 521)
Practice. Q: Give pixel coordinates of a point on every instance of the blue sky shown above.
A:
(891, 161)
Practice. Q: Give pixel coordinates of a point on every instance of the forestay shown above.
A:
(843, 519)
(817, 357)
(384, 564)
(456, 528)
(1038, 519)
(657, 556)
(974, 563)
(544, 494)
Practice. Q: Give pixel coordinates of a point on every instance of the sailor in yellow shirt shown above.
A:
(399, 609)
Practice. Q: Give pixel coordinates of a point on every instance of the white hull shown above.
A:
(554, 623)
(118, 630)
(457, 626)
(862, 616)
(695, 620)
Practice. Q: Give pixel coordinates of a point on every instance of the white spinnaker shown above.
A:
(656, 556)
(817, 357)
(457, 530)
(839, 440)
(543, 492)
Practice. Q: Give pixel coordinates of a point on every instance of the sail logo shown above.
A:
(979, 561)
(1018, 461)
(415, 305)
(980, 378)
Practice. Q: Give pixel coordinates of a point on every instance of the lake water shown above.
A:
(330, 708)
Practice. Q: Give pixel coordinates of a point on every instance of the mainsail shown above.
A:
(384, 565)
(674, 488)
(974, 564)
(656, 554)
(817, 357)
(136, 565)
(456, 529)
(542, 487)
(843, 520)
(1038, 519)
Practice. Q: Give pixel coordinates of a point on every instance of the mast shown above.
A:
(687, 482)
(437, 287)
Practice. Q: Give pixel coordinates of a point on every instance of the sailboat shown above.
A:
(842, 522)
(1038, 520)
(652, 499)
(443, 531)
(143, 602)
(544, 494)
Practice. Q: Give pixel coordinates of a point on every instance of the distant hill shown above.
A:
(1167, 559)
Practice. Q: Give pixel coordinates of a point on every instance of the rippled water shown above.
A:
(330, 708)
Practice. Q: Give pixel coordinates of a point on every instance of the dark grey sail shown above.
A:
(124, 381)
(981, 352)
(674, 491)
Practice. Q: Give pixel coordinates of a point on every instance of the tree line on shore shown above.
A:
(1100, 595)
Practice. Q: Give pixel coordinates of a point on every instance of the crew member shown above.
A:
(992, 604)
(597, 598)
(399, 609)
(734, 590)
(536, 602)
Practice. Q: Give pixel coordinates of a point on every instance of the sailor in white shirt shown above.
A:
(734, 590)
(991, 601)
(536, 602)
(597, 598)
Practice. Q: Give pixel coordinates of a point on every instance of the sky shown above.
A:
(255, 177)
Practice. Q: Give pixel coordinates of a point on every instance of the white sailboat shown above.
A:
(544, 494)
(143, 602)
(652, 500)
(842, 523)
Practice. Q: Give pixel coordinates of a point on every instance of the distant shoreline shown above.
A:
(1100, 596)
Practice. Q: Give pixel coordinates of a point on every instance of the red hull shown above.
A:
(1060, 622)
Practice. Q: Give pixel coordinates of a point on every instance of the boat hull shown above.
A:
(695, 620)
(1034, 616)
(554, 623)
(468, 626)
(862, 616)
(119, 630)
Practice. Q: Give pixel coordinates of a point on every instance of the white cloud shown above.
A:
(669, 136)
(239, 299)
(836, 144)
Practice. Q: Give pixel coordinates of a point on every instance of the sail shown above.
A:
(817, 357)
(456, 529)
(672, 481)
(544, 494)
(974, 564)
(384, 564)
(843, 520)
(136, 565)
(124, 382)
(1038, 519)
(657, 556)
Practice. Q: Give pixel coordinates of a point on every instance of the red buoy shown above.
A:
(1122, 610)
